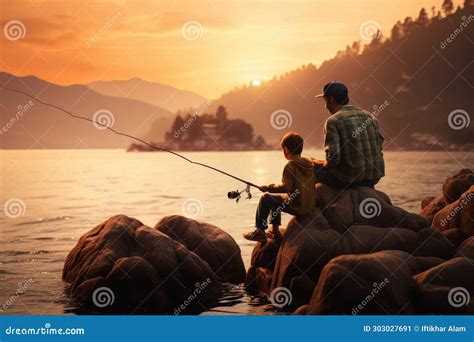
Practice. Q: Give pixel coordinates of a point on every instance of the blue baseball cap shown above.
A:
(334, 89)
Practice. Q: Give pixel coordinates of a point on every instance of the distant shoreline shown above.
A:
(466, 149)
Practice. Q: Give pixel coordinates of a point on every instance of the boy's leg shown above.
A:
(268, 204)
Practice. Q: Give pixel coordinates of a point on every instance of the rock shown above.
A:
(262, 265)
(467, 249)
(451, 273)
(459, 214)
(131, 267)
(211, 243)
(426, 242)
(377, 283)
(447, 288)
(345, 226)
(458, 184)
(308, 245)
(431, 208)
(434, 300)
(305, 250)
(426, 201)
(363, 206)
(455, 236)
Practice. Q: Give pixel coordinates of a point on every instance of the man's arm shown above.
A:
(332, 143)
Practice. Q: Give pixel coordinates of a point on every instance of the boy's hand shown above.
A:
(263, 188)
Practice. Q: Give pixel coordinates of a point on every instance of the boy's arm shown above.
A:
(284, 187)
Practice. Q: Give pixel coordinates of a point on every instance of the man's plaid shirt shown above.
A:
(353, 145)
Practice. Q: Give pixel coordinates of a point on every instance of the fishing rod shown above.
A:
(231, 194)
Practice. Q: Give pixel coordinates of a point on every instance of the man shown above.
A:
(353, 143)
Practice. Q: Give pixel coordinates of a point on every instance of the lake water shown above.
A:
(67, 192)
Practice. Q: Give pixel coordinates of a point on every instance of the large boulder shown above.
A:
(360, 225)
(309, 244)
(211, 243)
(363, 206)
(259, 275)
(122, 264)
(458, 214)
(446, 288)
(466, 249)
(431, 205)
(457, 184)
(376, 283)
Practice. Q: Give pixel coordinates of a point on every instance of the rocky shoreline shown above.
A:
(355, 254)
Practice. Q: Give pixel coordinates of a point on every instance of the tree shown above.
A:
(355, 48)
(423, 19)
(176, 128)
(397, 31)
(447, 7)
(408, 26)
(221, 113)
(239, 130)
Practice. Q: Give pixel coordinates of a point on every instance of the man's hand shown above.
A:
(263, 188)
(318, 162)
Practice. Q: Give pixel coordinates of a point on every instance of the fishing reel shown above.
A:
(238, 194)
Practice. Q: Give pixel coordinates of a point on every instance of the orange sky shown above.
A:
(78, 41)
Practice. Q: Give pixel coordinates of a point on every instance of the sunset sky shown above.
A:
(207, 46)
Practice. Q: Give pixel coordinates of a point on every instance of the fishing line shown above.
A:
(230, 195)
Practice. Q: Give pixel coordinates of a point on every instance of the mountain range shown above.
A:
(157, 94)
(133, 106)
(418, 81)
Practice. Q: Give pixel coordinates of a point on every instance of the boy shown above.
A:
(296, 195)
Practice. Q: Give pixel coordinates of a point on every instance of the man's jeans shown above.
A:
(323, 175)
(273, 205)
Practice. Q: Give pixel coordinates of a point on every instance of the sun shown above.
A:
(256, 83)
